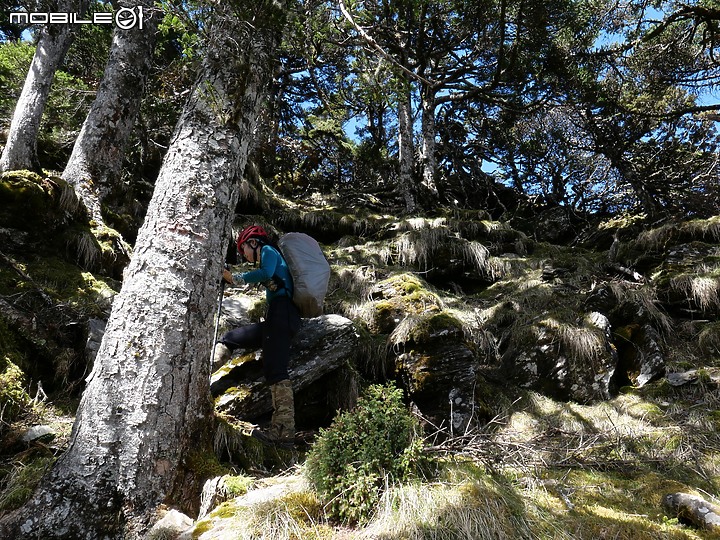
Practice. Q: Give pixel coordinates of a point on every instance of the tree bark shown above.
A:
(405, 146)
(146, 414)
(20, 151)
(96, 160)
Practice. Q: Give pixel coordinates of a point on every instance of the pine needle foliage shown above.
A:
(363, 451)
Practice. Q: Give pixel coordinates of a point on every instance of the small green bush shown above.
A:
(363, 451)
(13, 397)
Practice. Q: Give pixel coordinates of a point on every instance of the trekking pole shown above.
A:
(217, 321)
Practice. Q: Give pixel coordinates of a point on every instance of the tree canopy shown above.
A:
(593, 105)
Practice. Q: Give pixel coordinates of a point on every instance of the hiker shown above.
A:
(275, 333)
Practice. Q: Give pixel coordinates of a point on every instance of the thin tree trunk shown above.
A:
(20, 150)
(96, 160)
(405, 147)
(429, 163)
(146, 414)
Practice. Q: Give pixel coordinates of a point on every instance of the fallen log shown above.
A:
(693, 510)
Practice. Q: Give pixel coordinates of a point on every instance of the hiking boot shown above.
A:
(282, 425)
(221, 355)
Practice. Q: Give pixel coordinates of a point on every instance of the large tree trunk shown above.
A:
(20, 151)
(96, 160)
(146, 415)
(405, 146)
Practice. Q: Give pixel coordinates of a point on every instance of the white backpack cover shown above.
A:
(309, 269)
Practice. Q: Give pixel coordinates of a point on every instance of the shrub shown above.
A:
(13, 397)
(363, 451)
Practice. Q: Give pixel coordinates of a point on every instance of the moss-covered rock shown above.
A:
(45, 320)
(34, 203)
(688, 280)
(399, 296)
(45, 212)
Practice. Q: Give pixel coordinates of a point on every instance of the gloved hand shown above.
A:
(227, 276)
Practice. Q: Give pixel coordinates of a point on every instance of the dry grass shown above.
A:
(472, 508)
(644, 299)
(657, 239)
(88, 250)
(702, 286)
(582, 343)
(542, 469)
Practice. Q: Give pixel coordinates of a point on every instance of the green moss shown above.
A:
(704, 376)
(233, 393)
(436, 325)
(623, 221)
(47, 209)
(205, 464)
(201, 527)
(303, 507)
(25, 201)
(13, 396)
(235, 486)
(68, 284)
(402, 284)
(226, 510)
(397, 297)
(35, 204)
(384, 307)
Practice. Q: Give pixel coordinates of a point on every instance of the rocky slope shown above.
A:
(562, 363)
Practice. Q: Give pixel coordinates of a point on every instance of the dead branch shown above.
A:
(375, 45)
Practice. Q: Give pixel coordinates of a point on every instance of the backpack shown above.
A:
(309, 269)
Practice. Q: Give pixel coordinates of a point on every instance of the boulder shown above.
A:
(568, 361)
(171, 525)
(437, 368)
(323, 346)
(96, 331)
(39, 433)
(640, 355)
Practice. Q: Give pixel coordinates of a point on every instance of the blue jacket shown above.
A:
(271, 264)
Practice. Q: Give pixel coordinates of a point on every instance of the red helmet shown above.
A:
(248, 233)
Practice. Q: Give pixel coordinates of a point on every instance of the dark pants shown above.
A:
(274, 335)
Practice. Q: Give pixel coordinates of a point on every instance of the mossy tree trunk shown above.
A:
(20, 151)
(96, 160)
(146, 411)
